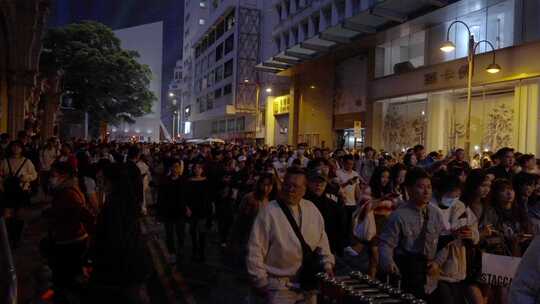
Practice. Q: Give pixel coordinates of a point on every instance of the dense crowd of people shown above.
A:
(423, 218)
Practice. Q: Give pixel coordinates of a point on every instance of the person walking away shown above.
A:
(408, 242)
(172, 210)
(69, 226)
(275, 253)
(16, 174)
(121, 261)
(135, 176)
(198, 200)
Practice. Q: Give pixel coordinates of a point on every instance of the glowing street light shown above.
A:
(268, 90)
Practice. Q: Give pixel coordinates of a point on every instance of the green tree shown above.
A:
(100, 77)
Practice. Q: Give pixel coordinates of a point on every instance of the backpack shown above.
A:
(12, 183)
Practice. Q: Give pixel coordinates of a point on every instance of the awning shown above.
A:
(366, 22)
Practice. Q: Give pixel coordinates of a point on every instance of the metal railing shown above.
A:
(10, 274)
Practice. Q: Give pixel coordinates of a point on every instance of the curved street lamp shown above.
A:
(493, 68)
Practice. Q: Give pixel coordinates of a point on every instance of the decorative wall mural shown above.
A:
(498, 127)
(400, 131)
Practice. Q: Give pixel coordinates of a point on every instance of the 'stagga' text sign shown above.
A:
(499, 270)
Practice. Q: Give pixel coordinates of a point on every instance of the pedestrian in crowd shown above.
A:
(121, 262)
(49, 153)
(275, 253)
(86, 177)
(460, 230)
(527, 163)
(16, 174)
(135, 176)
(504, 163)
(4, 142)
(226, 199)
(412, 232)
(172, 210)
(66, 155)
(198, 200)
(70, 226)
(424, 161)
(366, 164)
(300, 156)
(349, 180)
(331, 210)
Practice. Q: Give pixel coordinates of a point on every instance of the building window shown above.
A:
(187, 112)
(287, 8)
(277, 43)
(215, 126)
(222, 125)
(202, 21)
(211, 37)
(297, 5)
(229, 44)
(305, 29)
(228, 69)
(227, 89)
(240, 124)
(217, 93)
(231, 125)
(220, 29)
(210, 101)
(230, 21)
(219, 52)
(219, 73)
(295, 35)
(187, 127)
(316, 22)
(286, 40)
(202, 4)
(202, 104)
(327, 15)
(278, 11)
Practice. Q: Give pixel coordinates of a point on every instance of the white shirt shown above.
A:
(348, 191)
(274, 248)
(27, 173)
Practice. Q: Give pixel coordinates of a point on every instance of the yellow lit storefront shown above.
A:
(428, 105)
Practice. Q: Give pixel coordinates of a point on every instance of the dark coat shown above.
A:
(334, 219)
(136, 181)
(171, 205)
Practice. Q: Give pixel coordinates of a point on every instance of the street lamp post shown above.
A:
(449, 46)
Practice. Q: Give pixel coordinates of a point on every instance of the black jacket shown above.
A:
(171, 204)
(500, 172)
(334, 219)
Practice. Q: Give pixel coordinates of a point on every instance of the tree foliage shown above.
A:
(100, 77)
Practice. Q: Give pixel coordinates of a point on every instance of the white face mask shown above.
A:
(448, 201)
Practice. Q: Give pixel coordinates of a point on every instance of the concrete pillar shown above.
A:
(270, 122)
(375, 124)
(294, 111)
(437, 115)
(526, 117)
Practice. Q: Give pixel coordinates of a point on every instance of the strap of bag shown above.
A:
(18, 170)
(294, 225)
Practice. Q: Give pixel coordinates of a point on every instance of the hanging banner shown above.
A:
(357, 129)
(498, 270)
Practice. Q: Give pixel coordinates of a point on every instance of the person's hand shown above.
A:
(188, 212)
(433, 269)
(464, 233)
(329, 272)
(393, 269)
(487, 231)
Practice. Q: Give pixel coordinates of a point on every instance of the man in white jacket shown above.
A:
(275, 253)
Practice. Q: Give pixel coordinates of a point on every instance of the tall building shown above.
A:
(379, 64)
(223, 89)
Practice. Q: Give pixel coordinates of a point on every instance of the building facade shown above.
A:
(21, 28)
(383, 68)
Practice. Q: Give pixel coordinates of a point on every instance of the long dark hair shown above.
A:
(377, 189)
(475, 178)
(258, 186)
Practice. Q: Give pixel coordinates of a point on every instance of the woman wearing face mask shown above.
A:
(16, 174)
(459, 231)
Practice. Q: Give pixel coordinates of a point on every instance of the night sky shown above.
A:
(119, 14)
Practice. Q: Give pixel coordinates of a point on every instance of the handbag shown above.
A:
(311, 259)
